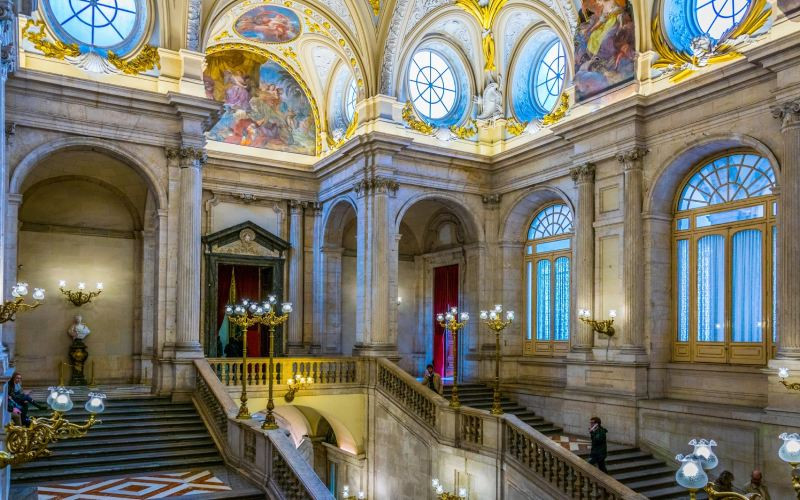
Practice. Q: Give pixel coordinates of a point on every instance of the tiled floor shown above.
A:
(572, 443)
(197, 484)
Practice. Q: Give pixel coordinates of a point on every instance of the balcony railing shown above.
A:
(325, 371)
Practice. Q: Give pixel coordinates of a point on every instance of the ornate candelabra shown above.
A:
(244, 316)
(494, 320)
(347, 496)
(449, 321)
(445, 495)
(600, 326)
(25, 444)
(790, 453)
(295, 384)
(271, 319)
(79, 297)
(10, 308)
(783, 374)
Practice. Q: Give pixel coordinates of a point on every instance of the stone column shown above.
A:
(312, 220)
(187, 341)
(295, 293)
(372, 266)
(10, 243)
(331, 306)
(788, 226)
(632, 338)
(583, 176)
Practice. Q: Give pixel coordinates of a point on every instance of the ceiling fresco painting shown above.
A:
(269, 24)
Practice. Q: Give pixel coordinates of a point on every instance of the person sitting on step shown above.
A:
(18, 401)
(432, 380)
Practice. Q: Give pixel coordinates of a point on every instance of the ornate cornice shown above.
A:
(632, 158)
(583, 173)
(188, 156)
(492, 200)
(787, 112)
(377, 185)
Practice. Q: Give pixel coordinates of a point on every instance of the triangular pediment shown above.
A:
(247, 238)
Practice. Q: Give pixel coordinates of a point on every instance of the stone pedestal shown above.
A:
(77, 356)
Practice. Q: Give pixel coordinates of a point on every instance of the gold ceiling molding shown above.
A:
(704, 50)
(145, 60)
(559, 112)
(414, 123)
(484, 12)
(514, 127)
(465, 131)
(376, 6)
(56, 50)
(351, 129)
(269, 56)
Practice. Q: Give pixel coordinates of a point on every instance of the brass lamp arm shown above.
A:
(727, 495)
(25, 444)
(10, 308)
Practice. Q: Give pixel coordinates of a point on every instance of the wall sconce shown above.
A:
(347, 496)
(783, 374)
(445, 495)
(29, 443)
(295, 384)
(399, 300)
(79, 297)
(604, 327)
(10, 308)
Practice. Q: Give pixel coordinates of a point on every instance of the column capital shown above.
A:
(377, 185)
(582, 173)
(8, 38)
(187, 156)
(296, 207)
(315, 206)
(632, 158)
(787, 112)
(492, 200)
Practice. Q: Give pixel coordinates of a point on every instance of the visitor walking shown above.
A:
(597, 456)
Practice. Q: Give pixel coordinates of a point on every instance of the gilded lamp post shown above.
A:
(244, 316)
(494, 320)
(271, 319)
(449, 321)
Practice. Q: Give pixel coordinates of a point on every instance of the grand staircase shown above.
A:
(629, 465)
(139, 434)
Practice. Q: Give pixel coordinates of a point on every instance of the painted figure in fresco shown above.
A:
(269, 24)
(237, 95)
(604, 46)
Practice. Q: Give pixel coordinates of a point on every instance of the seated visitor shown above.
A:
(432, 380)
(18, 401)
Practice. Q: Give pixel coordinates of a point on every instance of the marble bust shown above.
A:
(78, 329)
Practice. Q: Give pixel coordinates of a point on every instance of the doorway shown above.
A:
(445, 296)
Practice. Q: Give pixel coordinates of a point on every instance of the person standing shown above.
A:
(432, 380)
(756, 485)
(597, 456)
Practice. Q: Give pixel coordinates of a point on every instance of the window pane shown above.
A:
(552, 246)
(562, 299)
(529, 305)
(775, 284)
(682, 287)
(734, 177)
(543, 300)
(747, 311)
(551, 221)
(738, 214)
(711, 288)
(682, 224)
(431, 84)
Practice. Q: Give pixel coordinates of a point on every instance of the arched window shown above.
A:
(549, 76)
(117, 25)
(350, 101)
(684, 21)
(432, 85)
(724, 248)
(547, 281)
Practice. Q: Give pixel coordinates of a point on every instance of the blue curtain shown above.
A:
(529, 305)
(747, 288)
(711, 288)
(775, 284)
(683, 290)
(561, 319)
(543, 300)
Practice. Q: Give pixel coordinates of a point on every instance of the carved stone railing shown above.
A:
(268, 458)
(407, 391)
(325, 371)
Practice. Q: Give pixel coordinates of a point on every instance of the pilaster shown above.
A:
(295, 291)
(583, 177)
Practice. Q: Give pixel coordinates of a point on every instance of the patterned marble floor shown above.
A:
(146, 486)
(573, 443)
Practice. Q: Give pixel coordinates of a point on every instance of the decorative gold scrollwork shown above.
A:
(558, 113)
(465, 131)
(56, 50)
(25, 444)
(351, 129)
(414, 123)
(145, 60)
(514, 127)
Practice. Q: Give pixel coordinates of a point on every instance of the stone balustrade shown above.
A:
(323, 370)
(268, 458)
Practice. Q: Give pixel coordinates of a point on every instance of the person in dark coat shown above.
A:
(19, 400)
(597, 456)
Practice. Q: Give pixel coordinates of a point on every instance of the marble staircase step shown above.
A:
(148, 445)
(50, 475)
(209, 452)
(649, 473)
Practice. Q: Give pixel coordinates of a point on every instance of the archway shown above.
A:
(437, 268)
(338, 268)
(86, 216)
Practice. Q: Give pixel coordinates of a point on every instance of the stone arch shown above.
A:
(521, 211)
(466, 216)
(660, 195)
(32, 160)
(335, 218)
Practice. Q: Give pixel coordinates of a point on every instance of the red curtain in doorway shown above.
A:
(246, 288)
(445, 296)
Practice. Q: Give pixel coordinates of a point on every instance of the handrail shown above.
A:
(407, 391)
(325, 371)
(284, 471)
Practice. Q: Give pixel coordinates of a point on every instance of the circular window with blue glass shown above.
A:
(538, 76)
(98, 25)
(436, 84)
(686, 20)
